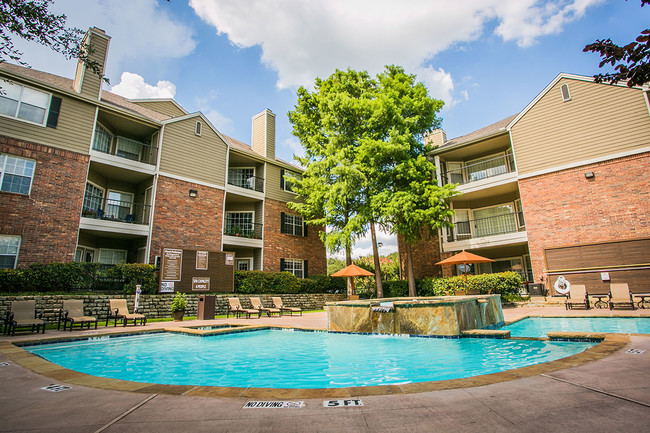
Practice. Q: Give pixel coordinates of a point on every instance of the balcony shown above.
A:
(477, 171)
(95, 207)
(124, 147)
(244, 180)
(490, 226)
(237, 228)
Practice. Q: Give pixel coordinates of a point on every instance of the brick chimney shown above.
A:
(86, 82)
(263, 135)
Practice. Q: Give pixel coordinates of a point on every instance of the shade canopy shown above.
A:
(463, 258)
(352, 271)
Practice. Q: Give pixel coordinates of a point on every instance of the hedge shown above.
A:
(260, 282)
(67, 277)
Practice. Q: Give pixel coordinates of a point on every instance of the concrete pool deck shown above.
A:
(611, 393)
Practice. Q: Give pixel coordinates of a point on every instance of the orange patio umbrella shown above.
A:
(464, 258)
(351, 272)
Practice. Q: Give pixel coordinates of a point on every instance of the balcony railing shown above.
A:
(242, 229)
(480, 170)
(490, 226)
(124, 147)
(243, 180)
(98, 207)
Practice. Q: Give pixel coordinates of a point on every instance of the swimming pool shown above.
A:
(540, 326)
(296, 359)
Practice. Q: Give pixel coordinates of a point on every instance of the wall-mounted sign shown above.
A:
(230, 259)
(604, 276)
(202, 260)
(166, 287)
(201, 283)
(172, 263)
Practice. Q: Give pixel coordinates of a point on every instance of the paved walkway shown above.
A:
(611, 394)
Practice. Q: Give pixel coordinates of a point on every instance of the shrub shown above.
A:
(396, 289)
(179, 303)
(126, 276)
(11, 280)
(260, 282)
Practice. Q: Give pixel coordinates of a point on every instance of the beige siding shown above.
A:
(91, 83)
(167, 108)
(258, 141)
(190, 156)
(599, 120)
(73, 131)
(270, 136)
(273, 190)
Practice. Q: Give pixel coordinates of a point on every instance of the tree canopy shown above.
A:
(632, 61)
(31, 20)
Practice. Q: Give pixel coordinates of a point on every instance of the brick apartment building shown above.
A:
(561, 188)
(89, 176)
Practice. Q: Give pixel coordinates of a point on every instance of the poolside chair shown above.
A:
(257, 304)
(23, 315)
(577, 297)
(73, 312)
(119, 311)
(234, 306)
(277, 303)
(620, 296)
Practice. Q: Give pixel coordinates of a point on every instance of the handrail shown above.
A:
(118, 145)
(238, 228)
(468, 175)
(115, 210)
(488, 226)
(241, 180)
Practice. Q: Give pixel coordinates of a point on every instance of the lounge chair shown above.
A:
(277, 303)
(577, 297)
(257, 304)
(119, 311)
(620, 296)
(23, 315)
(234, 306)
(73, 312)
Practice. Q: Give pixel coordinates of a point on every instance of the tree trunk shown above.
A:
(348, 262)
(409, 270)
(375, 257)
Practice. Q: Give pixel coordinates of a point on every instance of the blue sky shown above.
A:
(487, 59)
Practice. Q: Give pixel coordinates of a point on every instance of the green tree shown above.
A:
(31, 20)
(632, 61)
(329, 122)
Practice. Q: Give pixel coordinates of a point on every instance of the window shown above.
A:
(566, 96)
(23, 102)
(286, 184)
(243, 264)
(242, 177)
(9, 247)
(295, 266)
(197, 128)
(118, 205)
(93, 200)
(520, 214)
(292, 225)
(112, 257)
(494, 220)
(16, 174)
(84, 255)
(103, 140)
(239, 224)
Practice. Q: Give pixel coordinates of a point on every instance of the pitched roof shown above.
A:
(481, 133)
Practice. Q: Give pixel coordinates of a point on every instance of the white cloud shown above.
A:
(222, 123)
(295, 146)
(305, 39)
(142, 30)
(363, 246)
(132, 86)
(439, 83)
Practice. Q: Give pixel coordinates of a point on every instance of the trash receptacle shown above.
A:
(206, 307)
(536, 290)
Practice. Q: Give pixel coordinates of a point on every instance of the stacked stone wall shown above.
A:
(157, 306)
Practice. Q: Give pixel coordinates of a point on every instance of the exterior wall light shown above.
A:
(193, 193)
(590, 175)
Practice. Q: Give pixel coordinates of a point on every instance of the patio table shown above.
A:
(599, 300)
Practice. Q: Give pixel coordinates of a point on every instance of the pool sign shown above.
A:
(199, 283)
(274, 405)
(342, 403)
(166, 287)
(172, 263)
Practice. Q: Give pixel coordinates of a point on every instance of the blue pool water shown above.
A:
(294, 359)
(540, 326)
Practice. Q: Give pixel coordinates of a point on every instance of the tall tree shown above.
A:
(31, 20)
(632, 61)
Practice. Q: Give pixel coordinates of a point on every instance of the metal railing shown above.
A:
(238, 228)
(480, 170)
(243, 180)
(490, 226)
(98, 207)
(124, 147)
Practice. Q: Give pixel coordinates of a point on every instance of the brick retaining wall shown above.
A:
(157, 306)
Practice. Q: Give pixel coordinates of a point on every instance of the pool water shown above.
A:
(540, 326)
(295, 359)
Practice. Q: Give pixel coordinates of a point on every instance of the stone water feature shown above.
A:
(442, 315)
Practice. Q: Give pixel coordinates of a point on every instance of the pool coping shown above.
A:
(609, 344)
